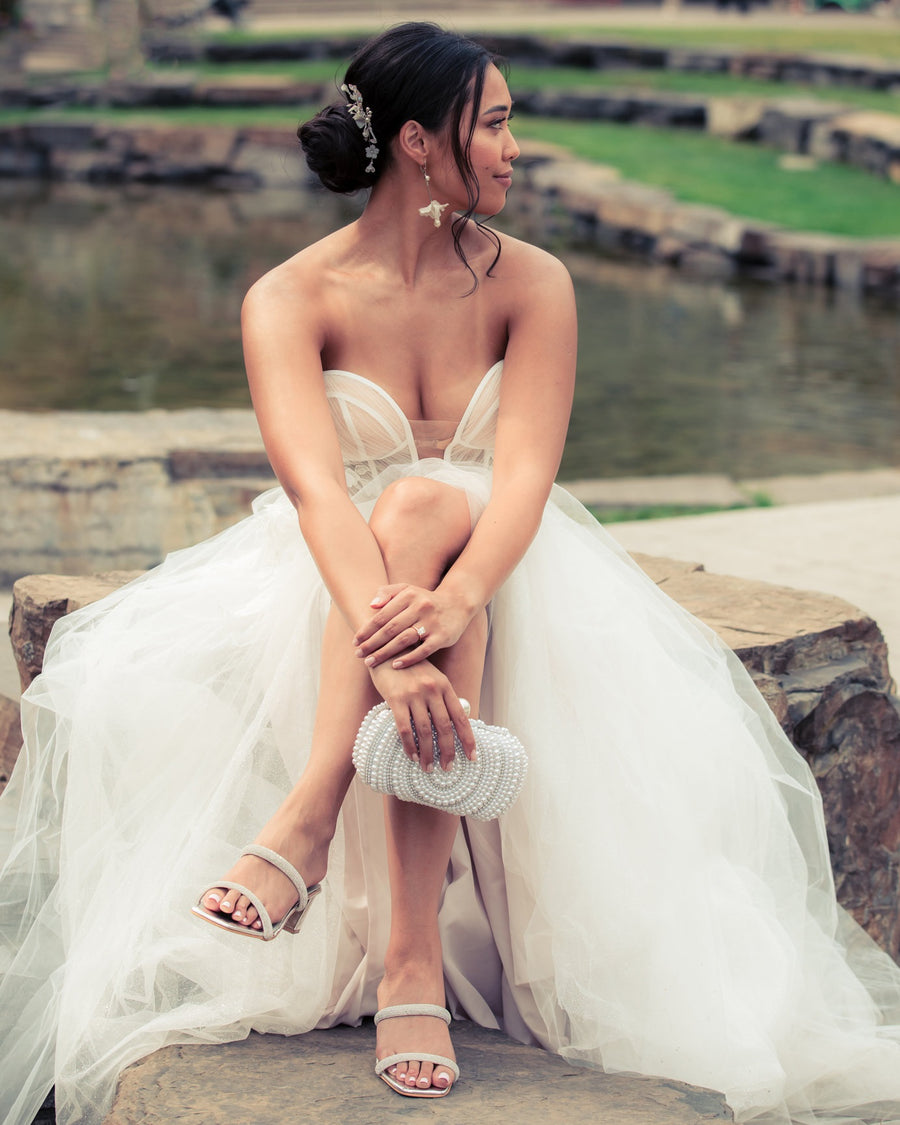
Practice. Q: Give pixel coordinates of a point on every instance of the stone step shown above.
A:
(327, 1078)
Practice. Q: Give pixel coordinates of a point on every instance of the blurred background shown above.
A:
(121, 292)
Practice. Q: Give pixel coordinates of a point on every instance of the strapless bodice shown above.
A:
(375, 433)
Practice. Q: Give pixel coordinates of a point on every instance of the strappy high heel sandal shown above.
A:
(290, 922)
(382, 1065)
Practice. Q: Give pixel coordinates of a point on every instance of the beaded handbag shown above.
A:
(483, 789)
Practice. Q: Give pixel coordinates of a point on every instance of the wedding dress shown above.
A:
(658, 900)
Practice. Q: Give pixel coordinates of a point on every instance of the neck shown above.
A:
(403, 240)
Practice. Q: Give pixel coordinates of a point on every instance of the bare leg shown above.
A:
(419, 838)
(414, 518)
(302, 828)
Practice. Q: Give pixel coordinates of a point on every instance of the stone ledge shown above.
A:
(561, 196)
(820, 663)
(328, 1078)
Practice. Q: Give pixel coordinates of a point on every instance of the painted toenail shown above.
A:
(226, 905)
(442, 1080)
(213, 898)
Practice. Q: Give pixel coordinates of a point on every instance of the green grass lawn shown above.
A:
(743, 179)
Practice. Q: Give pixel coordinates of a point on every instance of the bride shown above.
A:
(659, 898)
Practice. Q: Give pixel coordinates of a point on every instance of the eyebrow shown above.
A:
(495, 109)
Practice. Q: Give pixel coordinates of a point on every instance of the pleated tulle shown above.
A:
(658, 900)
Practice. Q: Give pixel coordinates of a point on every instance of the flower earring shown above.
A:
(434, 209)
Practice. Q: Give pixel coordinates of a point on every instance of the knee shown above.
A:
(421, 518)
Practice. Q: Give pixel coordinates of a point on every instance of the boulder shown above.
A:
(822, 666)
(38, 603)
(10, 738)
(334, 1070)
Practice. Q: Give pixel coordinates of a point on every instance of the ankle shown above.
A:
(421, 967)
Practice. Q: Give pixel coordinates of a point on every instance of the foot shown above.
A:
(416, 1034)
(303, 845)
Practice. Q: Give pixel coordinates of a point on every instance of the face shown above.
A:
(491, 152)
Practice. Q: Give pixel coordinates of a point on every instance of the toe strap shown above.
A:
(395, 1011)
(230, 885)
(417, 1056)
(284, 867)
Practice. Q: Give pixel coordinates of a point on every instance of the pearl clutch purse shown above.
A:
(483, 789)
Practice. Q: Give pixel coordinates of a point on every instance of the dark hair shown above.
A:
(416, 71)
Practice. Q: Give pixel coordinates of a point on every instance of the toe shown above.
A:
(212, 900)
(442, 1078)
(239, 914)
(424, 1079)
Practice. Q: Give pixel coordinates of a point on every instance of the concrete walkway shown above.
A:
(850, 548)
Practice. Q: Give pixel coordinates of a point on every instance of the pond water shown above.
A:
(129, 298)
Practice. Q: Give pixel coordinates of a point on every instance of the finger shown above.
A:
(428, 647)
(446, 735)
(406, 641)
(397, 604)
(384, 594)
(405, 621)
(422, 720)
(404, 728)
(463, 726)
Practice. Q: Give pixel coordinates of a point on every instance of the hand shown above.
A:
(423, 697)
(410, 624)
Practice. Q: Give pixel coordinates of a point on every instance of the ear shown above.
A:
(413, 141)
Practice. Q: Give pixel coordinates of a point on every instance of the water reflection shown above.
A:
(130, 298)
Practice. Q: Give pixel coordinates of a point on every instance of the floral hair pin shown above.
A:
(362, 115)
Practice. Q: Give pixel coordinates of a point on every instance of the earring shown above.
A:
(434, 209)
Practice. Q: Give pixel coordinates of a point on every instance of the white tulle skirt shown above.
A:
(658, 900)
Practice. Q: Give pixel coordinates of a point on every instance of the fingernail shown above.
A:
(370, 660)
(397, 664)
(429, 767)
(358, 651)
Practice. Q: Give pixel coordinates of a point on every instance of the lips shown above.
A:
(505, 180)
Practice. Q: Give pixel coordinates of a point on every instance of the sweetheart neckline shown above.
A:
(458, 428)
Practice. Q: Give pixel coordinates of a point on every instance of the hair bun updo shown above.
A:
(335, 150)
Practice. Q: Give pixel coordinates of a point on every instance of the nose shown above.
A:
(511, 149)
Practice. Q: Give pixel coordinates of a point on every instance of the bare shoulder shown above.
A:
(531, 279)
(288, 298)
(528, 267)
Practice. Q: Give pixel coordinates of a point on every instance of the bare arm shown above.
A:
(535, 402)
(282, 348)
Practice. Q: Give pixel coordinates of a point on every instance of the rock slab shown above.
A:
(327, 1078)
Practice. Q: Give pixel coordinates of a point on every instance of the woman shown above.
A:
(658, 899)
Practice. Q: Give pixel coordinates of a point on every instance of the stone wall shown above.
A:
(820, 663)
(121, 490)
